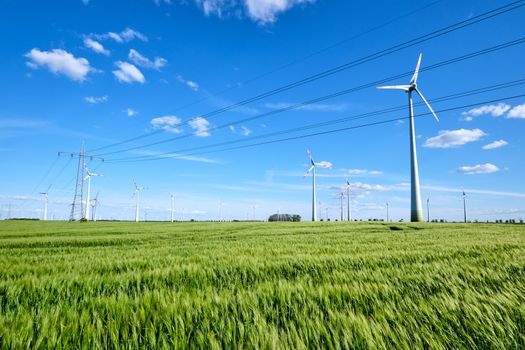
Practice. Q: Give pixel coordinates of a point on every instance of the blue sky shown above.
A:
(104, 72)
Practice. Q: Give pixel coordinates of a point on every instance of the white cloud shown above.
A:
(266, 11)
(324, 164)
(191, 84)
(96, 100)
(477, 191)
(494, 110)
(145, 62)
(453, 138)
(260, 11)
(60, 62)
(128, 73)
(496, 144)
(124, 36)
(95, 46)
(168, 123)
(201, 126)
(479, 169)
(131, 112)
(245, 131)
(314, 107)
(517, 112)
(362, 172)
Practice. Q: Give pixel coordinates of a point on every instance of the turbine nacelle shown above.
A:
(322, 164)
(412, 87)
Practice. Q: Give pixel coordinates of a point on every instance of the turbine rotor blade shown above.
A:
(395, 87)
(416, 72)
(309, 170)
(310, 156)
(428, 104)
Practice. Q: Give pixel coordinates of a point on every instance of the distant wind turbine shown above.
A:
(464, 206)
(342, 211)
(323, 165)
(46, 201)
(136, 194)
(348, 206)
(172, 206)
(94, 205)
(416, 214)
(88, 178)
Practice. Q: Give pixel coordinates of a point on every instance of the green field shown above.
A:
(261, 285)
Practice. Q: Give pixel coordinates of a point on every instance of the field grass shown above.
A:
(261, 285)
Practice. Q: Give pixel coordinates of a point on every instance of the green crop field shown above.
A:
(261, 285)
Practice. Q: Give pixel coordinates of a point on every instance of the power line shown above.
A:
(374, 56)
(336, 94)
(432, 35)
(176, 153)
(48, 171)
(312, 54)
(357, 126)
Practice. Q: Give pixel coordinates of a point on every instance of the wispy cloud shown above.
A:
(191, 84)
(128, 73)
(362, 172)
(142, 61)
(476, 191)
(131, 112)
(124, 36)
(495, 144)
(486, 168)
(454, 138)
(58, 62)
(495, 110)
(96, 100)
(163, 155)
(95, 46)
(15, 123)
(244, 130)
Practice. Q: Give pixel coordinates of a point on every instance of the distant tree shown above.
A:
(284, 217)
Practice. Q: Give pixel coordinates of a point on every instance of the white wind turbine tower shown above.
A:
(323, 165)
(416, 214)
(46, 201)
(88, 178)
(172, 206)
(136, 194)
(348, 206)
(94, 205)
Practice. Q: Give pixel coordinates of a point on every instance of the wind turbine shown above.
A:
(464, 206)
(342, 196)
(88, 177)
(136, 194)
(416, 214)
(323, 165)
(46, 201)
(348, 207)
(94, 205)
(428, 209)
(172, 206)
